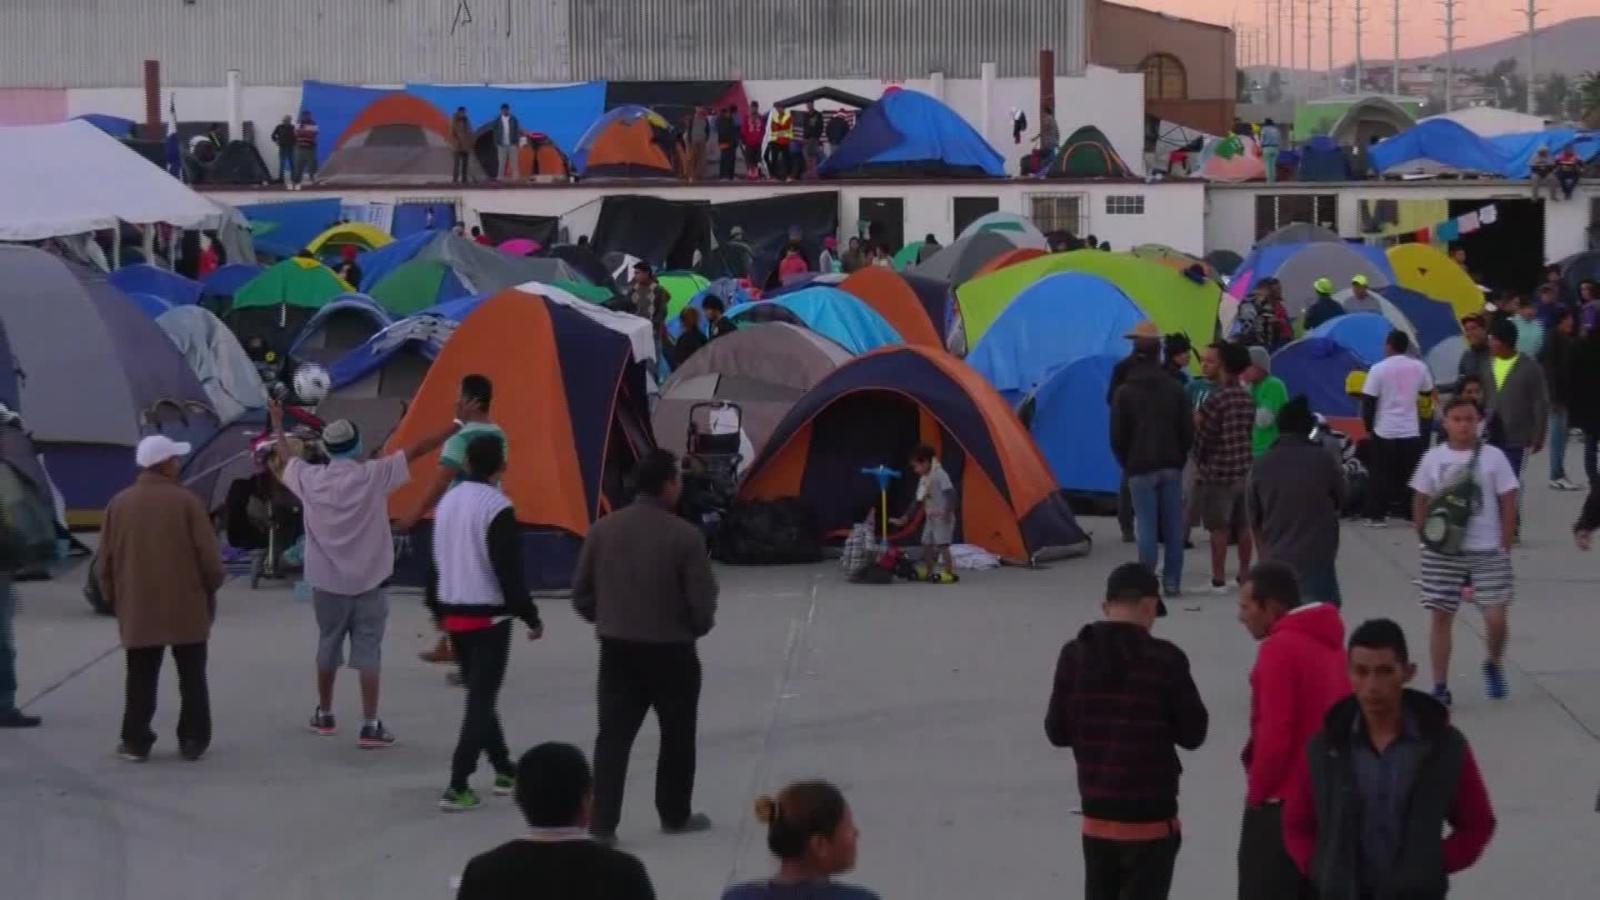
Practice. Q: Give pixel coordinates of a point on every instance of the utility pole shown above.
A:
(1332, 90)
(1359, 73)
(1533, 15)
(1395, 75)
(1292, 65)
(1266, 32)
(1280, 33)
(1309, 67)
(1449, 53)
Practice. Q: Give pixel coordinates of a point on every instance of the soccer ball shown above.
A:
(312, 383)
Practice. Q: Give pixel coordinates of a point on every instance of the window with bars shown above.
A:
(1273, 211)
(1164, 78)
(1124, 204)
(1058, 212)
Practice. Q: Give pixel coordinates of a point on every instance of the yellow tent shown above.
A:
(359, 234)
(1427, 270)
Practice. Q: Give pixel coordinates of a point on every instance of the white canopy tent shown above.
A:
(71, 177)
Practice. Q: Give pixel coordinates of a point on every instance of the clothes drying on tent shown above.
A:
(916, 307)
(98, 376)
(765, 368)
(1322, 159)
(337, 328)
(875, 410)
(1055, 322)
(1019, 228)
(1363, 334)
(1316, 367)
(908, 134)
(1435, 147)
(572, 402)
(1429, 271)
(1071, 422)
(960, 261)
(1087, 153)
(226, 373)
(1176, 303)
(417, 285)
(830, 312)
(144, 278)
(627, 142)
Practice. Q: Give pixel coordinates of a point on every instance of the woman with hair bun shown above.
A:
(811, 831)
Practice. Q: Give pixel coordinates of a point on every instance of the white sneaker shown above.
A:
(1376, 523)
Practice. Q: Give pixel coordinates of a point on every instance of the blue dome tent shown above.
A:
(144, 278)
(830, 312)
(1434, 320)
(1322, 159)
(1059, 320)
(1316, 367)
(907, 134)
(226, 281)
(1072, 426)
(149, 304)
(1363, 334)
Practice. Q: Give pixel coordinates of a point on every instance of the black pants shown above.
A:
(1266, 871)
(1125, 508)
(482, 655)
(144, 676)
(1393, 460)
(752, 160)
(1129, 870)
(459, 169)
(726, 161)
(635, 678)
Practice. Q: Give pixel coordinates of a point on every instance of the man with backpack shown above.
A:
(1465, 512)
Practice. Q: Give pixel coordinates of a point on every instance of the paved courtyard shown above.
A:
(924, 703)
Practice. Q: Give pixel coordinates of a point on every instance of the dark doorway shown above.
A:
(966, 210)
(883, 221)
(1508, 254)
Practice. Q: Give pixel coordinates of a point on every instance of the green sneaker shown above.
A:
(459, 801)
(504, 785)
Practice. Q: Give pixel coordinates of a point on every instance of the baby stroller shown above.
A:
(714, 452)
(261, 515)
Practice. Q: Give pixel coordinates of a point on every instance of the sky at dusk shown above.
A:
(1421, 34)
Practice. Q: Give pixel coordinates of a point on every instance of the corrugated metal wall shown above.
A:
(102, 43)
(781, 39)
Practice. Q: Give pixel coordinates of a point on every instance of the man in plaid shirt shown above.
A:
(1222, 454)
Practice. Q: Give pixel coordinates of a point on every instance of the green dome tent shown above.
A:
(1175, 302)
(681, 288)
(300, 282)
(417, 285)
(1087, 153)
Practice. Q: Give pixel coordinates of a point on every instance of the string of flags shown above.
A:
(1446, 231)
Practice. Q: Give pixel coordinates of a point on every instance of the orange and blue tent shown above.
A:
(572, 402)
(914, 305)
(875, 410)
(627, 142)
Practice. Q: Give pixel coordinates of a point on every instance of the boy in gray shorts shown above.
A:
(937, 495)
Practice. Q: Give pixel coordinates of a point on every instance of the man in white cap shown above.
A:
(160, 568)
(349, 555)
(1360, 299)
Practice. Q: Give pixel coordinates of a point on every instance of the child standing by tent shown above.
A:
(936, 493)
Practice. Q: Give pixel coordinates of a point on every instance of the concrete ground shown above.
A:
(924, 703)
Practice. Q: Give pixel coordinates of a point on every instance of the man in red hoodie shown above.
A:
(1299, 673)
(1366, 817)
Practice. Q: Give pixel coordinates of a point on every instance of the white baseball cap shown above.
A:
(157, 449)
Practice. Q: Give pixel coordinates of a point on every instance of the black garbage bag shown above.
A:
(769, 532)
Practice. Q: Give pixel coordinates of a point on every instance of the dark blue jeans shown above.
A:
(1158, 519)
(1320, 584)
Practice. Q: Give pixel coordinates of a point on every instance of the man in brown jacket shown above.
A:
(461, 140)
(644, 581)
(160, 568)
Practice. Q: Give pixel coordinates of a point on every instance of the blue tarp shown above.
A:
(1057, 321)
(1317, 367)
(226, 281)
(144, 278)
(1361, 333)
(1433, 319)
(412, 217)
(830, 312)
(562, 113)
(294, 223)
(1072, 426)
(1443, 142)
(1322, 159)
(116, 126)
(912, 132)
(377, 264)
(1520, 149)
(335, 107)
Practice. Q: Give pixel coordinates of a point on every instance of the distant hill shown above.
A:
(1568, 47)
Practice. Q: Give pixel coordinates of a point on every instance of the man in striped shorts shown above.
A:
(1481, 571)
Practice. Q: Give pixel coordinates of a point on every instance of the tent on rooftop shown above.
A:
(97, 375)
(875, 410)
(400, 139)
(536, 155)
(1322, 159)
(1230, 159)
(572, 402)
(1435, 147)
(627, 142)
(1087, 153)
(908, 134)
(1368, 118)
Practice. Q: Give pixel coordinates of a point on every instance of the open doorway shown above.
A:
(1509, 253)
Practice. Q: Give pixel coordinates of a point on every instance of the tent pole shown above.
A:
(116, 246)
